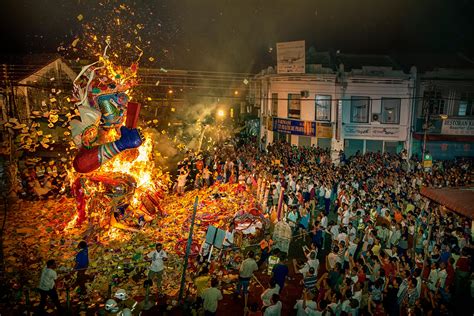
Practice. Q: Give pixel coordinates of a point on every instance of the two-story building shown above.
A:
(443, 122)
(362, 105)
(299, 108)
(375, 104)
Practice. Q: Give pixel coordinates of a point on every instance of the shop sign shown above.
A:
(294, 127)
(389, 132)
(458, 127)
(324, 130)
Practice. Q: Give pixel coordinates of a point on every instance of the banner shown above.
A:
(291, 57)
(294, 127)
(458, 127)
(357, 131)
(324, 130)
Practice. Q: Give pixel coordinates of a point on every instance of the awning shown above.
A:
(459, 200)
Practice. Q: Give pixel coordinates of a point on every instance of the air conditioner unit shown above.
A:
(305, 94)
(375, 117)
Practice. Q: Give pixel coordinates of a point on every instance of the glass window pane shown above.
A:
(392, 147)
(373, 146)
(323, 107)
(294, 106)
(360, 109)
(324, 143)
(352, 146)
(462, 108)
(391, 110)
(274, 108)
(304, 141)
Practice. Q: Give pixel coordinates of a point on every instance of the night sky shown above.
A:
(225, 35)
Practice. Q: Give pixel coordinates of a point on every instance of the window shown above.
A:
(323, 108)
(465, 105)
(435, 101)
(274, 105)
(304, 141)
(294, 106)
(360, 109)
(391, 110)
(373, 146)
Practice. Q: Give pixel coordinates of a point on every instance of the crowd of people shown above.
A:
(377, 245)
(42, 179)
(372, 244)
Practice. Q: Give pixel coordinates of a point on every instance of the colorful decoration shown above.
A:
(108, 147)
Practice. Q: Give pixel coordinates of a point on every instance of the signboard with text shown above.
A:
(294, 127)
(458, 127)
(324, 130)
(291, 57)
(367, 131)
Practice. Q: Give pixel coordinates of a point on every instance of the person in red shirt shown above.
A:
(450, 271)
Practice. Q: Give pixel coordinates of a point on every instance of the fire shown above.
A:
(129, 182)
(142, 168)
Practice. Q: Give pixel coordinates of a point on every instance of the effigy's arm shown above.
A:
(88, 160)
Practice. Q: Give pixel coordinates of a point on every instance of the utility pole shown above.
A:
(188, 250)
(427, 102)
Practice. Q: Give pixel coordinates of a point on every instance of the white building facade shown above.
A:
(376, 110)
(361, 110)
(299, 109)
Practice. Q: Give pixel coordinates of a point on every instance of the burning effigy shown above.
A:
(115, 178)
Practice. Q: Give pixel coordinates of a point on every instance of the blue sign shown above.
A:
(294, 127)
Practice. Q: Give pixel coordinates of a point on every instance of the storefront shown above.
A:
(373, 138)
(445, 139)
(301, 133)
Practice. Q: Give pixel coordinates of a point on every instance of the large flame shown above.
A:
(142, 169)
(137, 163)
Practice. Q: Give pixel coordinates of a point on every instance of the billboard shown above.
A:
(291, 57)
(458, 127)
(294, 127)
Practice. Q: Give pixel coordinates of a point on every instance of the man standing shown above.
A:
(327, 198)
(82, 263)
(47, 286)
(280, 272)
(157, 257)
(211, 296)
(182, 181)
(246, 270)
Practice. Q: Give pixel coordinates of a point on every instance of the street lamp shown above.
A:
(220, 113)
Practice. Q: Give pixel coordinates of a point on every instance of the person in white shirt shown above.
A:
(334, 230)
(229, 236)
(442, 275)
(157, 257)
(275, 308)
(47, 287)
(268, 293)
(324, 222)
(433, 277)
(327, 199)
(305, 305)
(351, 232)
(342, 236)
(182, 181)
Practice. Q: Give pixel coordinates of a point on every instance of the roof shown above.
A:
(430, 62)
(356, 61)
(17, 67)
(458, 199)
